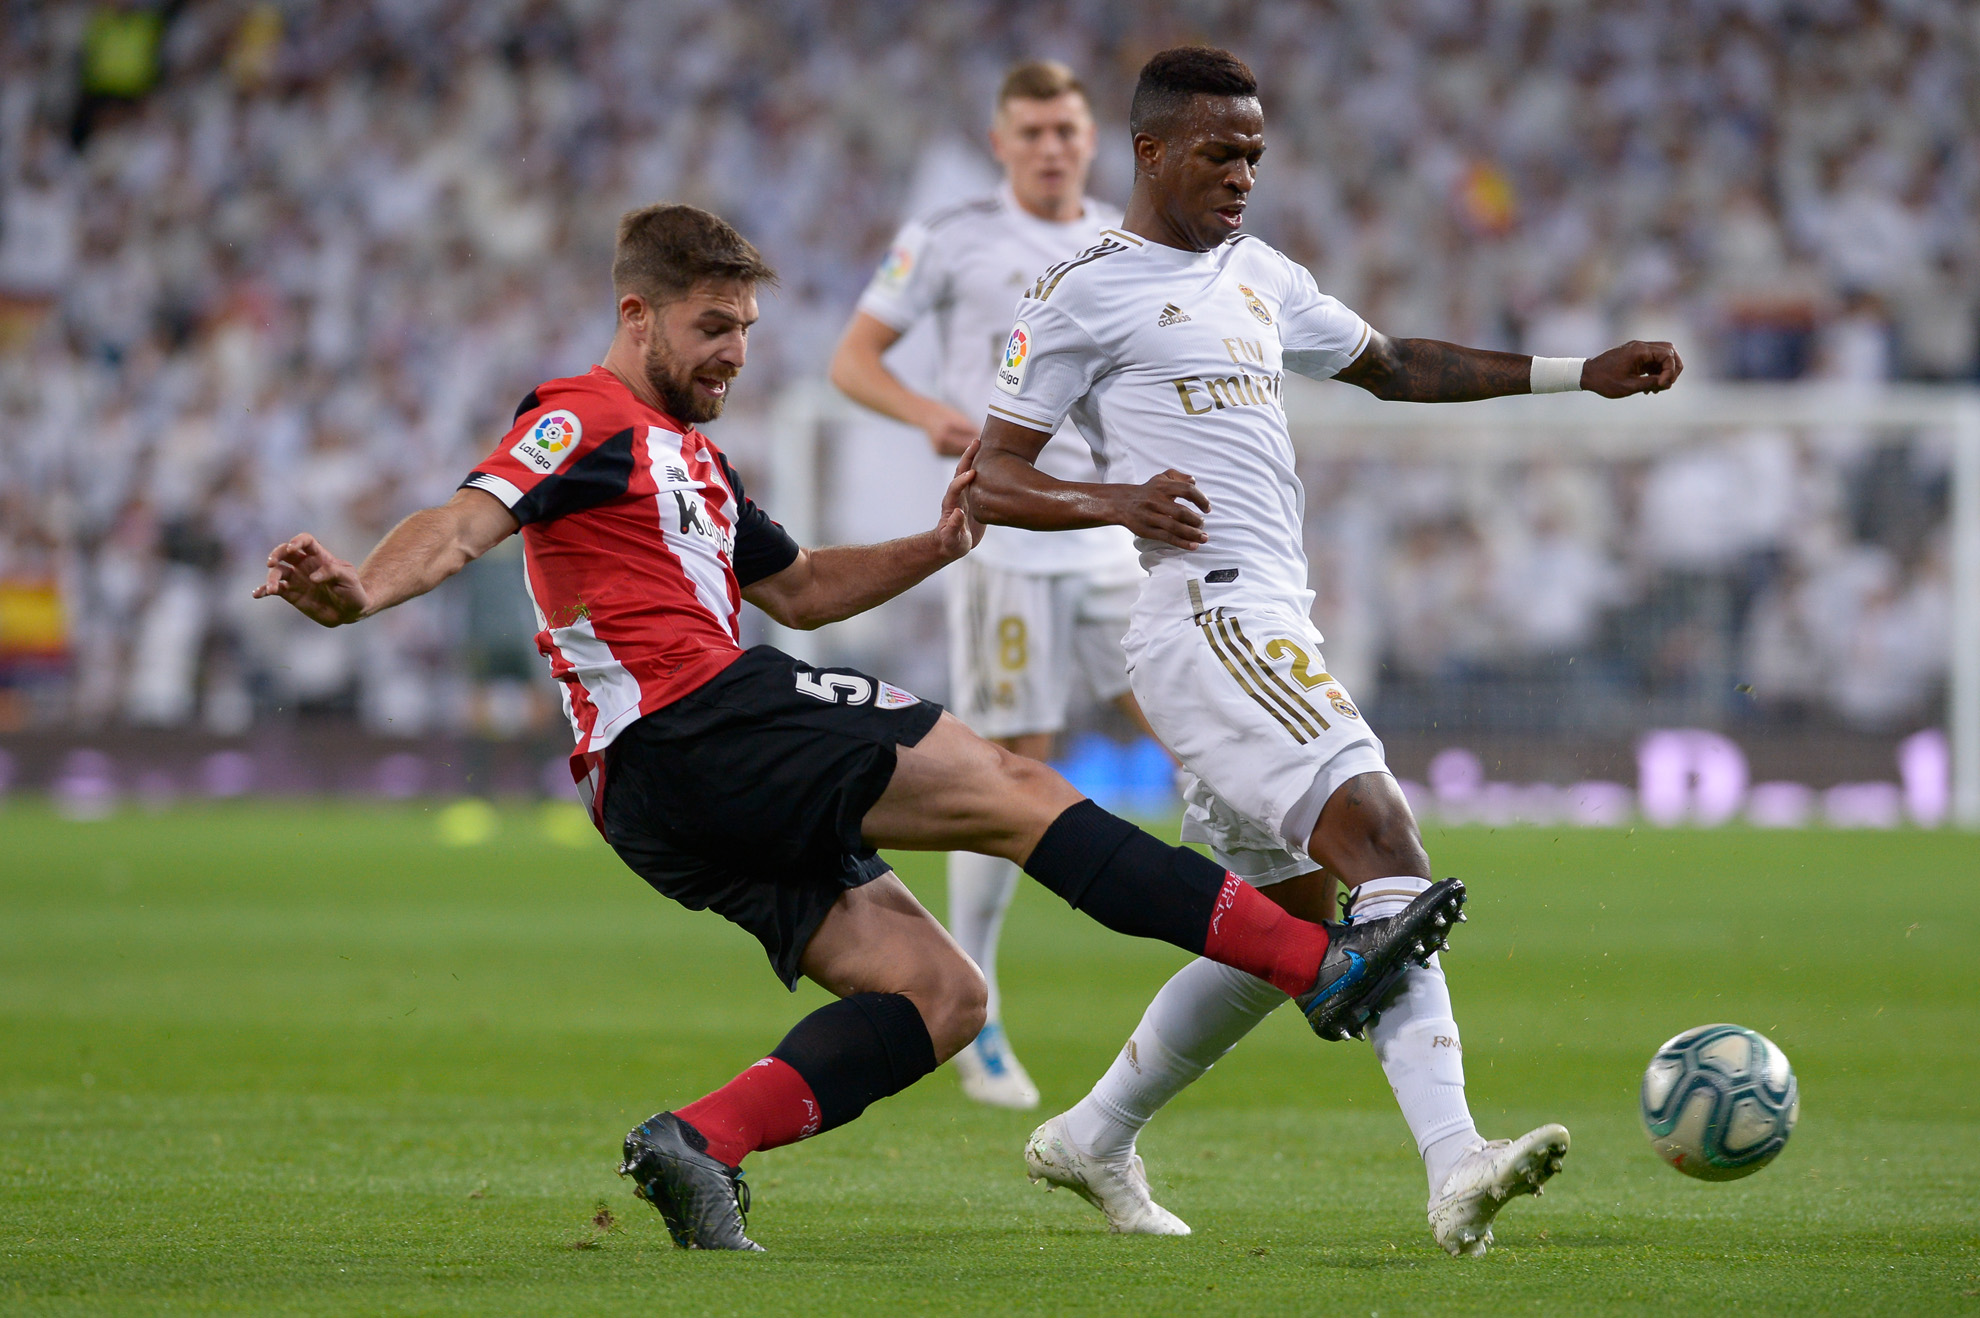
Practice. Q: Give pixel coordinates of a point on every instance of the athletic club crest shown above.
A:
(892, 697)
(1338, 699)
(1257, 307)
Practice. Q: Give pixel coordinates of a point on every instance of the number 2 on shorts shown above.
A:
(1302, 662)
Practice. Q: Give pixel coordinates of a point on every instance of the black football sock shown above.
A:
(1130, 882)
(856, 1051)
(1136, 884)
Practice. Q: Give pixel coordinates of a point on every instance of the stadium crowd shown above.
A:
(276, 265)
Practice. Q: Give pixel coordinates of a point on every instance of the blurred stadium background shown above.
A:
(280, 266)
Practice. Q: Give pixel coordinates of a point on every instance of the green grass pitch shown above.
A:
(313, 1059)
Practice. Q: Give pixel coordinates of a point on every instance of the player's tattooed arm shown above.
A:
(1011, 491)
(1430, 371)
(414, 557)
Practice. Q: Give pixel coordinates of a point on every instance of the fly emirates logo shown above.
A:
(1249, 386)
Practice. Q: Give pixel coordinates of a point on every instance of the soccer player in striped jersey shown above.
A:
(747, 782)
(1030, 615)
(1165, 344)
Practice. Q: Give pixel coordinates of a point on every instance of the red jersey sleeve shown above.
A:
(566, 452)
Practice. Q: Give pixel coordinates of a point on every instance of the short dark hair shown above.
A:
(1171, 78)
(1039, 80)
(664, 250)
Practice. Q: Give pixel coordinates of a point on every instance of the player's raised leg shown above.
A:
(953, 789)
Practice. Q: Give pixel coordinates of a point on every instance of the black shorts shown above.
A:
(745, 796)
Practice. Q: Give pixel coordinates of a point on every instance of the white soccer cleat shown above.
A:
(1117, 1187)
(1484, 1179)
(991, 1074)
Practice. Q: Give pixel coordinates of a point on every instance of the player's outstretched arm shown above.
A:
(1011, 491)
(414, 557)
(1428, 371)
(861, 375)
(825, 585)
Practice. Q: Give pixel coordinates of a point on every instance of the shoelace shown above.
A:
(742, 1197)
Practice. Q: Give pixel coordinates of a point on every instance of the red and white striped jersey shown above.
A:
(638, 541)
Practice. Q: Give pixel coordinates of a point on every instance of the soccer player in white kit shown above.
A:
(1165, 344)
(1029, 614)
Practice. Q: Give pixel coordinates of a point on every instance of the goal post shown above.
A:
(1330, 423)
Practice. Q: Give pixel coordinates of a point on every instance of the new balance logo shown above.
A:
(1171, 315)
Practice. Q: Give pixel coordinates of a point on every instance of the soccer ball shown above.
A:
(1719, 1102)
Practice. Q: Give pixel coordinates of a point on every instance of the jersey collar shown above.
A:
(1008, 195)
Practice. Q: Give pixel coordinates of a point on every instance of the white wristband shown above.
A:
(1556, 375)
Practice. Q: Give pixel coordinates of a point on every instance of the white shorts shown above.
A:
(1018, 641)
(1239, 691)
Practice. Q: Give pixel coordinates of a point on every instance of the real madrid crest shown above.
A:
(1338, 699)
(1257, 307)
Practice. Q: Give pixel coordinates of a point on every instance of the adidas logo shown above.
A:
(1171, 315)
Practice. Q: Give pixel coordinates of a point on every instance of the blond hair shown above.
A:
(1039, 80)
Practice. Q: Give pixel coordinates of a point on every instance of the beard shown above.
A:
(673, 380)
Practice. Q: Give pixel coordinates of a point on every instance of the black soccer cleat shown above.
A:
(703, 1201)
(1365, 958)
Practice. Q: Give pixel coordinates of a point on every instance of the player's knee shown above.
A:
(1372, 835)
(954, 1007)
(1031, 781)
(1395, 842)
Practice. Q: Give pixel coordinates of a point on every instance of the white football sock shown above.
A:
(1197, 1017)
(1417, 1043)
(980, 891)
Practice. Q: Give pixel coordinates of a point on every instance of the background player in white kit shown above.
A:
(1165, 344)
(1030, 614)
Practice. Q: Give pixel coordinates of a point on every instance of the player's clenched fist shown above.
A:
(1634, 368)
(1159, 509)
(323, 587)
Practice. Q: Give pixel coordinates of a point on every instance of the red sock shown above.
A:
(766, 1106)
(1251, 932)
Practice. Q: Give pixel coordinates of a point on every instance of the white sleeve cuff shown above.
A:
(495, 485)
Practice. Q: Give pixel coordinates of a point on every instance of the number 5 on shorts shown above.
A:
(836, 688)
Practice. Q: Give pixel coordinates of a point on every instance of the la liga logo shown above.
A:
(899, 264)
(1017, 349)
(556, 432)
(545, 445)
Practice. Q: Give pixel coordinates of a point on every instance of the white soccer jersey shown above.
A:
(966, 265)
(1166, 358)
